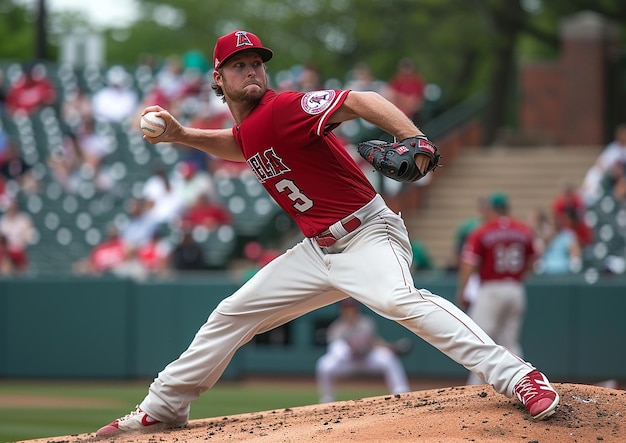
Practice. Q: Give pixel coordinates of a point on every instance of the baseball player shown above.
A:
(354, 244)
(354, 346)
(501, 251)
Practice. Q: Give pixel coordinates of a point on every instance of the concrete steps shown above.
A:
(531, 176)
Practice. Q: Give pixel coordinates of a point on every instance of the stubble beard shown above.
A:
(245, 96)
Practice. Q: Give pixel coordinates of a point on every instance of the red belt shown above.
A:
(327, 239)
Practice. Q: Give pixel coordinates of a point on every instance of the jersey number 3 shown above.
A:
(301, 202)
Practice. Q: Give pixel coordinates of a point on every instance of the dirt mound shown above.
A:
(459, 414)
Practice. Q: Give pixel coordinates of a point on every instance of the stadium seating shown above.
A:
(69, 224)
(607, 254)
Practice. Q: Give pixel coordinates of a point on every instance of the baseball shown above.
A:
(151, 125)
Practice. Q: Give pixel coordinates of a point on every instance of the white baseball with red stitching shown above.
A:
(151, 125)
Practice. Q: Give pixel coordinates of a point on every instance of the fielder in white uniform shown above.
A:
(354, 346)
(354, 244)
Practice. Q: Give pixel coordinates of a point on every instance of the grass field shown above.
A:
(36, 409)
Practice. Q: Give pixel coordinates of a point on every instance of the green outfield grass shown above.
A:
(37, 409)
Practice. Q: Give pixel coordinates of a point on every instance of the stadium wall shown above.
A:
(110, 328)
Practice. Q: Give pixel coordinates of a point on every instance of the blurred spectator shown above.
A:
(5, 140)
(562, 253)
(206, 212)
(141, 227)
(619, 192)
(406, 89)
(569, 204)
(308, 79)
(3, 91)
(80, 159)
(168, 88)
(14, 167)
(170, 78)
(65, 163)
(196, 61)
(104, 256)
(117, 101)
(210, 113)
(17, 227)
(31, 91)
(76, 108)
(93, 148)
(154, 255)
(164, 197)
(130, 266)
(611, 178)
(188, 254)
(156, 96)
(614, 154)
(257, 256)
(11, 261)
(194, 87)
(568, 200)
(193, 183)
(362, 79)
(5, 198)
(542, 227)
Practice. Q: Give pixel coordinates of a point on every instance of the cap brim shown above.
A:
(265, 53)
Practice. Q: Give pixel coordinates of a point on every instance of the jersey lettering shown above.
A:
(508, 258)
(302, 203)
(267, 165)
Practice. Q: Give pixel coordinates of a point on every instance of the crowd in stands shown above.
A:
(584, 226)
(182, 195)
(179, 196)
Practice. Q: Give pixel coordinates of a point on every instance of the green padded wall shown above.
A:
(99, 328)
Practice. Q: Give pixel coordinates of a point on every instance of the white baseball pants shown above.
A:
(370, 264)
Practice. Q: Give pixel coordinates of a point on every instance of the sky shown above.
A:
(102, 12)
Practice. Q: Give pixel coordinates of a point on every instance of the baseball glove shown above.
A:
(397, 160)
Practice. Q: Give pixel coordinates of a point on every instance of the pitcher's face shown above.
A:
(243, 78)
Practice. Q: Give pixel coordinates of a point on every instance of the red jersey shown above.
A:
(151, 255)
(30, 95)
(502, 248)
(288, 144)
(106, 255)
(208, 215)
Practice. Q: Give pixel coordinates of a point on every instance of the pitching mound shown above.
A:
(460, 414)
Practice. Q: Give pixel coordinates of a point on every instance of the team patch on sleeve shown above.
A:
(317, 101)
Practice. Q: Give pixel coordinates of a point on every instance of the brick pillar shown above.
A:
(586, 39)
(540, 104)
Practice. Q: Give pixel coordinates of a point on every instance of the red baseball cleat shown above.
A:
(137, 420)
(536, 393)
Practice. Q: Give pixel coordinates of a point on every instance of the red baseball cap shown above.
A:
(235, 42)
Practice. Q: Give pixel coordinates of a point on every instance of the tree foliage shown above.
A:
(17, 33)
(464, 47)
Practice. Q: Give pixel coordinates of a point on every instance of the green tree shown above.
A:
(463, 46)
(17, 31)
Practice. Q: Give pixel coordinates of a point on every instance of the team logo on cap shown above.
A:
(243, 39)
(317, 101)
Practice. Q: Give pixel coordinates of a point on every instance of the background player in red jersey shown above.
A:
(354, 245)
(501, 252)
